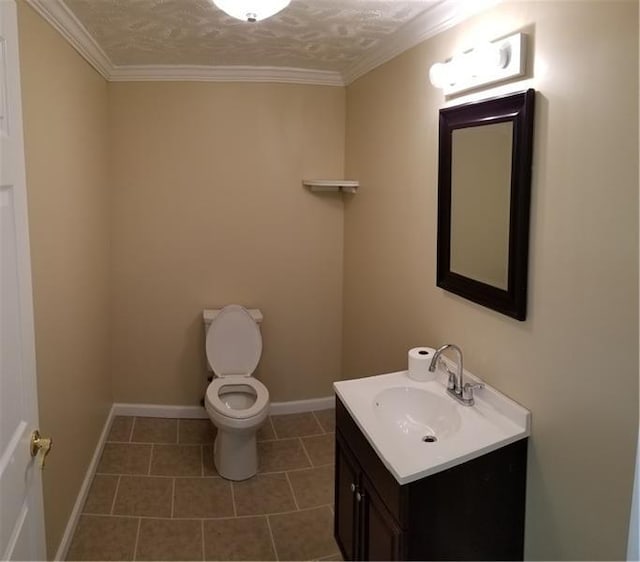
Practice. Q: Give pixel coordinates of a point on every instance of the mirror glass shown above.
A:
(480, 197)
(484, 185)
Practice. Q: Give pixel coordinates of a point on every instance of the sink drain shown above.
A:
(429, 438)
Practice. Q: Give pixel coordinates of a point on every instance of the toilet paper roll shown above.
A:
(419, 361)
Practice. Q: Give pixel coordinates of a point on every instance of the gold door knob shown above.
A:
(40, 446)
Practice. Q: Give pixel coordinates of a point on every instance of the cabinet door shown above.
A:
(345, 521)
(381, 535)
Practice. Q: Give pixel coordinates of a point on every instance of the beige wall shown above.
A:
(209, 210)
(574, 362)
(65, 130)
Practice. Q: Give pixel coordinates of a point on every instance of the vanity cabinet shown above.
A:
(472, 511)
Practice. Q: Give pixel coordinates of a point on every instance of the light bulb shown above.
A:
(251, 10)
(438, 75)
(489, 57)
(460, 68)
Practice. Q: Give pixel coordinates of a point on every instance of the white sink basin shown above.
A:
(417, 429)
(417, 414)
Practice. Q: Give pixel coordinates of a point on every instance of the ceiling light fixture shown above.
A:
(486, 63)
(251, 10)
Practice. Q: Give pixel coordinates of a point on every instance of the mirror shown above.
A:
(484, 185)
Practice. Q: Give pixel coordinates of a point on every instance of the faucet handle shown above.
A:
(451, 382)
(468, 388)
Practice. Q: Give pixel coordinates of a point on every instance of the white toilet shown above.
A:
(237, 403)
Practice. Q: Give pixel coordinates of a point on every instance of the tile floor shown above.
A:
(156, 494)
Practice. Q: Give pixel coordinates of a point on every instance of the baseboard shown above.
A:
(198, 412)
(65, 542)
(159, 411)
(299, 406)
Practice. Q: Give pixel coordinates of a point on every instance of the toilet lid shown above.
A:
(234, 343)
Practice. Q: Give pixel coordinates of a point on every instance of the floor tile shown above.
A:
(155, 430)
(296, 425)
(246, 538)
(327, 419)
(312, 487)
(124, 458)
(120, 429)
(103, 538)
(264, 493)
(176, 460)
(277, 456)
(202, 497)
(101, 494)
(321, 449)
(166, 539)
(336, 556)
(208, 466)
(265, 433)
(196, 431)
(303, 535)
(144, 495)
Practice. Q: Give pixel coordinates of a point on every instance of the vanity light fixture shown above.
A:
(251, 10)
(486, 63)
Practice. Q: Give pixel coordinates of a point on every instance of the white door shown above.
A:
(21, 511)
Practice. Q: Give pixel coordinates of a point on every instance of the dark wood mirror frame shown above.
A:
(517, 109)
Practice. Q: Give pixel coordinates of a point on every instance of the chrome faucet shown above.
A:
(456, 387)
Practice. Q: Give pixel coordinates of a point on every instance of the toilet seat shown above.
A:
(217, 385)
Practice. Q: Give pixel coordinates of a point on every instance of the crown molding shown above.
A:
(62, 19)
(442, 16)
(437, 19)
(225, 74)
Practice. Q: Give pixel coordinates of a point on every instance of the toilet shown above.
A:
(237, 403)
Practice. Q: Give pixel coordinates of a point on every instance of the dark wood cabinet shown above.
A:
(473, 511)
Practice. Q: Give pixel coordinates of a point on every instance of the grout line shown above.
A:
(306, 453)
(273, 428)
(135, 547)
(299, 469)
(233, 500)
(115, 495)
(178, 431)
(273, 542)
(252, 516)
(202, 531)
(318, 422)
(295, 501)
(150, 459)
(161, 475)
(202, 461)
(133, 423)
(173, 496)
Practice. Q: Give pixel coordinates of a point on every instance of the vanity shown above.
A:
(420, 477)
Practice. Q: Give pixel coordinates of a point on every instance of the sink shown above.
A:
(417, 414)
(417, 429)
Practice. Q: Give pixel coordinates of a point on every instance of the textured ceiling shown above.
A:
(309, 34)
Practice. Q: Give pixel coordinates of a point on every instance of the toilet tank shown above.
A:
(209, 314)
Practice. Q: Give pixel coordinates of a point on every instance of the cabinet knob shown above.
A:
(359, 496)
(353, 487)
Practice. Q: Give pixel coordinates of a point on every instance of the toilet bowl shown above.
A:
(237, 403)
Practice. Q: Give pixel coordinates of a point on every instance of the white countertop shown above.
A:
(492, 422)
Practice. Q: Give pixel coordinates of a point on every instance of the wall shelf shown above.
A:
(344, 186)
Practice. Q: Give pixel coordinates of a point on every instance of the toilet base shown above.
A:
(235, 454)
